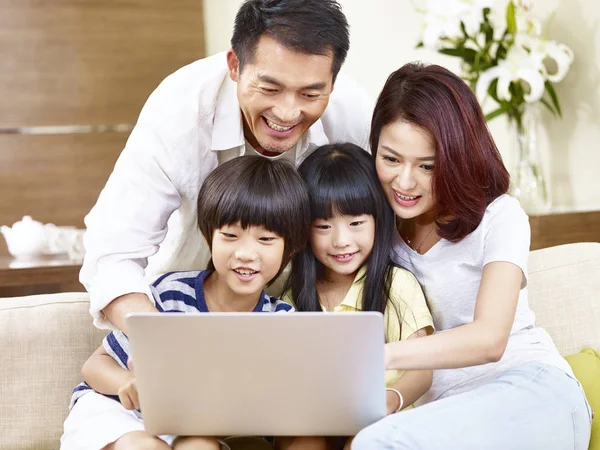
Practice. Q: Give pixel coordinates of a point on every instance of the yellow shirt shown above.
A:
(406, 313)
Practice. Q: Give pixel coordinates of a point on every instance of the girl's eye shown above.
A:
(228, 235)
(322, 227)
(357, 223)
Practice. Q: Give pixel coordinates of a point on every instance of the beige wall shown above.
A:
(384, 34)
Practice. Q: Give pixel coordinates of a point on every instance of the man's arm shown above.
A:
(125, 227)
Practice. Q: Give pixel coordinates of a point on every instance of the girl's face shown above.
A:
(246, 259)
(343, 243)
(405, 164)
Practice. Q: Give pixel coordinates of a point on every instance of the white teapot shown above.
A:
(26, 238)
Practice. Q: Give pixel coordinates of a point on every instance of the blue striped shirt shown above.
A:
(174, 292)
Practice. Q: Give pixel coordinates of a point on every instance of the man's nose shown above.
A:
(287, 110)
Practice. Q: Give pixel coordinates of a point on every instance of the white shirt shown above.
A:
(144, 222)
(450, 274)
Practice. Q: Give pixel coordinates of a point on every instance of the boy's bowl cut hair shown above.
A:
(256, 191)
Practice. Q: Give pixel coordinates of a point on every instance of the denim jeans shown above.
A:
(530, 407)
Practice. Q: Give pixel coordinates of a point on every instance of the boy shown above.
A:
(254, 214)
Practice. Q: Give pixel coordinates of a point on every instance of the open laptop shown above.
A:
(222, 374)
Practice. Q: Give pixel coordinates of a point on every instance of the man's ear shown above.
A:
(233, 64)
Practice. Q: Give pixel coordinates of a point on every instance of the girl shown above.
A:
(254, 213)
(347, 265)
(503, 384)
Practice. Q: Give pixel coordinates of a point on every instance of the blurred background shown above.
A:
(74, 75)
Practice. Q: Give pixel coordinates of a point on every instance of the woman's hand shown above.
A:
(128, 395)
(392, 401)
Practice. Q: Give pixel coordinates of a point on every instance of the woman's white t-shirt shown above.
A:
(450, 274)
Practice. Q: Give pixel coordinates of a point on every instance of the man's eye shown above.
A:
(312, 96)
(269, 90)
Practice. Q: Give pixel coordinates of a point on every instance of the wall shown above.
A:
(384, 34)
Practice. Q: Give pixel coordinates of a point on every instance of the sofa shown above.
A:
(45, 339)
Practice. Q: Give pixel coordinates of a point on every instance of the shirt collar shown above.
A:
(228, 130)
(353, 298)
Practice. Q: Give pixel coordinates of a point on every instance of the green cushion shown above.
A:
(586, 365)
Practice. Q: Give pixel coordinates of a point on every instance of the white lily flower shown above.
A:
(517, 66)
(443, 18)
(543, 51)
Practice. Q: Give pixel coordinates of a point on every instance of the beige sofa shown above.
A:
(45, 339)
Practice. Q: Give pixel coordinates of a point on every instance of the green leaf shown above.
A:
(495, 113)
(511, 19)
(553, 97)
(420, 44)
(549, 106)
(468, 54)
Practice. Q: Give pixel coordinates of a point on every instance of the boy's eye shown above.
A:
(267, 238)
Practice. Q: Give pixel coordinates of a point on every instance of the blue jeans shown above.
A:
(531, 407)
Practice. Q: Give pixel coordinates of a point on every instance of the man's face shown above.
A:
(281, 94)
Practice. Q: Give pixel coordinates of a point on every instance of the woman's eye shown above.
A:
(389, 159)
(428, 167)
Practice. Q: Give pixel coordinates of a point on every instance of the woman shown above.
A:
(499, 382)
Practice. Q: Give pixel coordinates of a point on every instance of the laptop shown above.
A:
(223, 374)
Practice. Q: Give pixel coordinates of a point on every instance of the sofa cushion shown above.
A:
(586, 366)
(45, 340)
(564, 293)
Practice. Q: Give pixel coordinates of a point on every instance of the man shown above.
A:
(271, 94)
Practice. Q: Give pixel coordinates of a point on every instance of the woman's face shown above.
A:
(405, 164)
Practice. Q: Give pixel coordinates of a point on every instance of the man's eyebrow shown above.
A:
(311, 87)
(425, 158)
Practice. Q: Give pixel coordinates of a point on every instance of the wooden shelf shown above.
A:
(548, 230)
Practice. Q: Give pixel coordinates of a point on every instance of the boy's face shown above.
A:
(281, 92)
(246, 260)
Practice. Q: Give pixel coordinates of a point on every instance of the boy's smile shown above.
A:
(245, 261)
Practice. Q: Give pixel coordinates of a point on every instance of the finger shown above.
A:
(125, 400)
(135, 399)
(130, 364)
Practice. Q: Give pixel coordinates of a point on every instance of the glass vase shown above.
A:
(529, 184)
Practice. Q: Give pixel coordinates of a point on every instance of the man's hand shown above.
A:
(117, 310)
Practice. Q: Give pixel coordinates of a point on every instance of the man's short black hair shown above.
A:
(313, 27)
(256, 191)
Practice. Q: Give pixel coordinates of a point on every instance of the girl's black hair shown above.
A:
(256, 191)
(341, 179)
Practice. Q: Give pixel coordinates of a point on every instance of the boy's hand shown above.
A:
(128, 395)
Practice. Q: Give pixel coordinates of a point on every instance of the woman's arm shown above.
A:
(481, 341)
(412, 384)
(104, 374)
